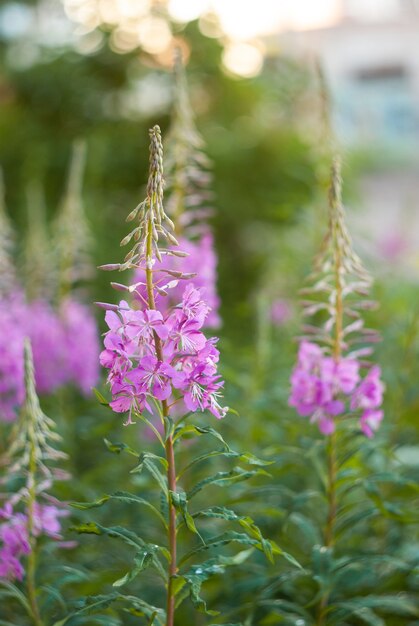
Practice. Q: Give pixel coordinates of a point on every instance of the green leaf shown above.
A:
(245, 521)
(148, 460)
(398, 604)
(142, 608)
(224, 479)
(246, 457)
(235, 537)
(303, 531)
(13, 592)
(180, 503)
(348, 521)
(367, 616)
(52, 595)
(102, 400)
(142, 560)
(201, 430)
(128, 537)
(206, 456)
(83, 506)
(322, 559)
(89, 528)
(233, 411)
(94, 603)
(120, 496)
(139, 607)
(190, 583)
(117, 448)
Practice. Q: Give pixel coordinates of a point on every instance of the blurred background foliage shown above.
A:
(270, 152)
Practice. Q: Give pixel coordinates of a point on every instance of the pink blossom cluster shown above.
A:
(201, 261)
(184, 371)
(14, 535)
(324, 388)
(65, 348)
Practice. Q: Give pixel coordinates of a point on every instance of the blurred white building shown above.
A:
(371, 63)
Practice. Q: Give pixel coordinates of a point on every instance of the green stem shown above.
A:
(329, 535)
(169, 449)
(31, 564)
(332, 464)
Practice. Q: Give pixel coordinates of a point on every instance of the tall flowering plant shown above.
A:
(333, 379)
(158, 359)
(332, 376)
(29, 512)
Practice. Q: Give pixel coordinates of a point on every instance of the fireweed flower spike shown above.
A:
(30, 512)
(158, 356)
(332, 378)
(327, 380)
(189, 202)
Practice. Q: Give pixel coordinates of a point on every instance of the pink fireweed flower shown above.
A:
(323, 388)
(370, 421)
(153, 376)
(189, 365)
(308, 392)
(127, 398)
(185, 333)
(47, 520)
(201, 388)
(141, 325)
(309, 355)
(342, 375)
(10, 566)
(369, 394)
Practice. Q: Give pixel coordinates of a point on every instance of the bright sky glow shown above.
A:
(245, 19)
(243, 59)
(241, 22)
